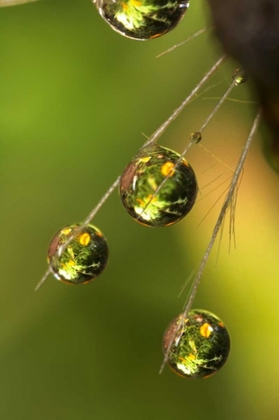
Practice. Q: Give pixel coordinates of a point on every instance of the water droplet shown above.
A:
(195, 137)
(239, 76)
(84, 258)
(142, 178)
(201, 344)
(142, 19)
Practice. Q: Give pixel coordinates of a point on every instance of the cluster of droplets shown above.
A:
(158, 188)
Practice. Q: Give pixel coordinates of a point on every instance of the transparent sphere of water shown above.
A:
(200, 344)
(158, 188)
(142, 19)
(84, 257)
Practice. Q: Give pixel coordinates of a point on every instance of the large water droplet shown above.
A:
(142, 19)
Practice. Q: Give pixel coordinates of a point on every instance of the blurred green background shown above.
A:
(75, 100)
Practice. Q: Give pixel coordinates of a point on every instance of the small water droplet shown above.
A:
(239, 76)
(195, 137)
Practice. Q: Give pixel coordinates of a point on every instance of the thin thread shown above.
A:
(225, 207)
(178, 110)
(196, 34)
(192, 142)
(5, 3)
(79, 229)
(221, 101)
